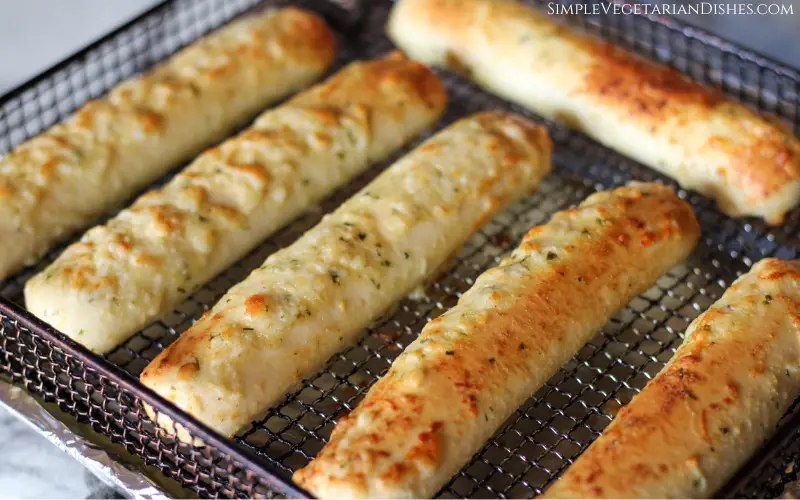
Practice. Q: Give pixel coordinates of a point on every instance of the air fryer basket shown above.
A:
(552, 428)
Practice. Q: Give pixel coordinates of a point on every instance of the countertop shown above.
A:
(42, 32)
(32, 467)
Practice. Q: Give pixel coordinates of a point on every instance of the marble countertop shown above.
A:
(32, 467)
(44, 32)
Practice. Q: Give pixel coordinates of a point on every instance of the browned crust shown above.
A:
(181, 349)
(763, 155)
(407, 81)
(410, 83)
(534, 134)
(640, 86)
(320, 44)
(645, 223)
(317, 50)
(367, 83)
(657, 93)
(696, 402)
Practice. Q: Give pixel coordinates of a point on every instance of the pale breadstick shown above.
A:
(142, 263)
(718, 398)
(473, 366)
(314, 297)
(65, 178)
(649, 112)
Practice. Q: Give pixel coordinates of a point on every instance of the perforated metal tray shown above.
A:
(538, 442)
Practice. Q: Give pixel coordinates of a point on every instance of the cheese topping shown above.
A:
(477, 363)
(313, 298)
(72, 173)
(147, 259)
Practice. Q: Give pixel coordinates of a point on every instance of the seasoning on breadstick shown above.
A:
(75, 171)
(709, 409)
(141, 264)
(649, 112)
(472, 367)
(313, 298)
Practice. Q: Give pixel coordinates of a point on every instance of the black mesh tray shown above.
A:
(539, 441)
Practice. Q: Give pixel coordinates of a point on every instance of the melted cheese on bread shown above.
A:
(314, 297)
(472, 367)
(712, 405)
(63, 179)
(650, 112)
(142, 263)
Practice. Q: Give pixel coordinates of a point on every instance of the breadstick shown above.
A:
(472, 367)
(65, 178)
(707, 411)
(123, 275)
(314, 297)
(649, 112)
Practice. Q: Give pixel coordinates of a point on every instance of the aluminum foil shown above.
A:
(111, 463)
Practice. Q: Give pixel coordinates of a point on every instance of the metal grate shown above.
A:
(547, 432)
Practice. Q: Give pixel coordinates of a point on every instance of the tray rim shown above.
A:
(125, 381)
(269, 475)
(31, 410)
(691, 31)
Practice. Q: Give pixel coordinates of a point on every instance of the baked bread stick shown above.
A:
(141, 264)
(650, 112)
(313, 298)
(472, 367)
(712, 405)
(65, 178)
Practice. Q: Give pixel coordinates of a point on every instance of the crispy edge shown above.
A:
(676, 387)
(764, 159)
(363, 81)
(317, 37)
(468, 365)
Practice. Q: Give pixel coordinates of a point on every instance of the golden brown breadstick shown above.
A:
(315, 296)
(477, 363)
(141, 264)
(714, 403)
(65, 178)
(649, 112)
